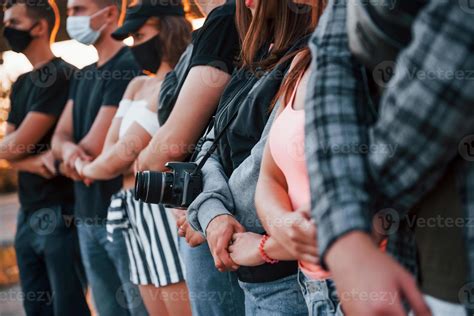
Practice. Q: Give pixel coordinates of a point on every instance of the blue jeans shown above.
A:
(277, 298)
(212, 293)
(320, 296)
(107, 269)
(51, 274)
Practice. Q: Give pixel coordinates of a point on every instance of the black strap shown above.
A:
(214, 144)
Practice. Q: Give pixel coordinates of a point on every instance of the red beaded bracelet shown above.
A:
(265, 257)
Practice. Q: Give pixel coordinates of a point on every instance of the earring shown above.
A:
(249, 3)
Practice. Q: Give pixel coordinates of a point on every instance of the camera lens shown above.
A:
(153, 187)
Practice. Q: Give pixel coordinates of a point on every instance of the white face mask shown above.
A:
(79, 28)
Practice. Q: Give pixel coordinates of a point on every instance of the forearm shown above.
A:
(107, 166)
(275, 251)
(26, 164)
(162, 149)
(11, 149)
(216, 198)
(273, 203)
(59, 143)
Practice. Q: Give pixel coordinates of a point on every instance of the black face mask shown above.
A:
(149, 54)
(18, 40)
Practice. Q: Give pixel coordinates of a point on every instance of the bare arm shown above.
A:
(94, 141)
(63, 135)
(120, 156)
(194, 107)
(271, 196)
(21, 141)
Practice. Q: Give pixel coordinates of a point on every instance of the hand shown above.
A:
(82, 170)
(39, 167)
(140, 162)
(48, 161)
(71, 152)
(79, 165)
(297, 234)
(193, 238)
(362, 271)
(219, 235)
(244, 249)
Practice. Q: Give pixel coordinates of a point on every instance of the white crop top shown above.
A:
(136, 111)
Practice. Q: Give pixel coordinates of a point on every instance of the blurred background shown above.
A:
(11, 66)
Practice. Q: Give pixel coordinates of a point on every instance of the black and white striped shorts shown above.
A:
(151, 237)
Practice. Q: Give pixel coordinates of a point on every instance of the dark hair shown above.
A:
(175, 35)
(105, 3)
(282, 22)
(36, 10)
(303, 62)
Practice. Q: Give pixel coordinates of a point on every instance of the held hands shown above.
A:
(296, 232)
(219, 236)
(244, 249)
(70, 153)
(81, 169)
(193, 238)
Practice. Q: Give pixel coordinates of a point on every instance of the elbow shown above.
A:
(172, 148)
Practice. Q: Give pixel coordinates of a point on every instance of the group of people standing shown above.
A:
(298, 184)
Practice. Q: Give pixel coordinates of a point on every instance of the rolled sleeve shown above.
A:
(216, 198)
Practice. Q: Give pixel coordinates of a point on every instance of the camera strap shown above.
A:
(215, 143)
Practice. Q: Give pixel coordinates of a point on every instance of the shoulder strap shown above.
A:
(214, 144)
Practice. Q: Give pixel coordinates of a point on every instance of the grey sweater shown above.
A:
(233, 196)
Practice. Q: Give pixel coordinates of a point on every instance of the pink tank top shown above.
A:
(286, 141)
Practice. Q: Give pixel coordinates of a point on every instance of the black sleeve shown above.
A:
(12, 114)
(217, 43)
(115, 87)
(52, 96)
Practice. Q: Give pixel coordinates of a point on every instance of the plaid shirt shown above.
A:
(424, 116)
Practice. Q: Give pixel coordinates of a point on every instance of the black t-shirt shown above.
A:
(92, 88)
(217, 42)
(43, 90)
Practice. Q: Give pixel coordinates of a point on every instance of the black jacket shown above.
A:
(246, 101)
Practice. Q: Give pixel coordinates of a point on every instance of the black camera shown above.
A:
(177, 188)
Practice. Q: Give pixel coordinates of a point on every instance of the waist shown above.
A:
(267, 272)
(314, 271)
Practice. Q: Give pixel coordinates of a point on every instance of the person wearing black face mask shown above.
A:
(160, 33)
(149, 54)
(17, 39)
(46, 247)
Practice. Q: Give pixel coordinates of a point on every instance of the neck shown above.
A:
(208, 6)
(39, 53)
(163, 70)
(106, 48)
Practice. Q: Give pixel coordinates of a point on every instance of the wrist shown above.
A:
(351, 246)
(216, 221)
(263, 254)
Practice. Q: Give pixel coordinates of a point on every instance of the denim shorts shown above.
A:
(320, 296)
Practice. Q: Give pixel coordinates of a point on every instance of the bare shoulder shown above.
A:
(134, 86)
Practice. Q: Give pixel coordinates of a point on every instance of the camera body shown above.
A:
(177, 188)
